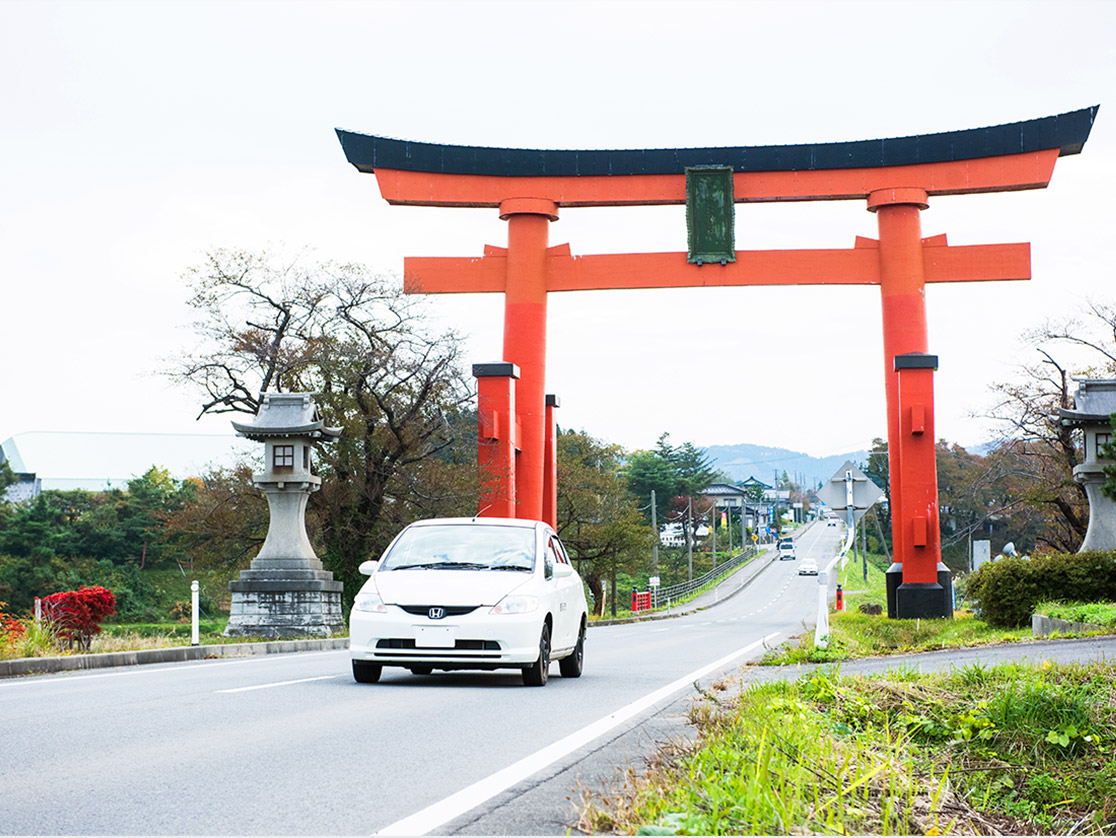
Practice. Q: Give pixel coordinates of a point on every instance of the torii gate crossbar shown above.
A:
(896, 177)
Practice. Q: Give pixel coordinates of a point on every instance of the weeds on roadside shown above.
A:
(773, 764)
(38, 640)
(1012, 749)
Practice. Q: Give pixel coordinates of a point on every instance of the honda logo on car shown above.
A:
(436, 613)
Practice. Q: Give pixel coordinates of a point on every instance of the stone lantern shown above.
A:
(286, 592)
(1093, 404)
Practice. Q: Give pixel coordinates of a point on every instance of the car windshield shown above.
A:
(463, 547)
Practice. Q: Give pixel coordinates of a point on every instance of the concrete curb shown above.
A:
(1042, 626)
(172, 654)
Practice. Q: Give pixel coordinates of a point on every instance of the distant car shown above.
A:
(809, 567)
(831, 522)
(786, 549)
(470, 593)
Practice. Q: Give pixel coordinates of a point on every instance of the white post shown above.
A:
(38, 611)
(821, 629)
(850, 508)
(194, 638)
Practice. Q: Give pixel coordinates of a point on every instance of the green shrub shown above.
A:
(1006, 591)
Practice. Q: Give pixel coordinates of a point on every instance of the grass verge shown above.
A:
(854, 633)
(1096, 613)
(1009, 750)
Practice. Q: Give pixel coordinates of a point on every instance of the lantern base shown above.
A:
(292, 603)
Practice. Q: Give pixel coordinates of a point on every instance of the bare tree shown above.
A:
(353, 338)
(1076, 347)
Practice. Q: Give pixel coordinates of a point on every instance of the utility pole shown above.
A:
(728, 515)
(775, 505)
(864, 545)
(655, 527)
(690, 538)
(714, 521)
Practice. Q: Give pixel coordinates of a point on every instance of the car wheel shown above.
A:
(536, 674)
(570, 666)
(421, 670)
(365, 672)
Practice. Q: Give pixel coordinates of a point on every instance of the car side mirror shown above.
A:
(369, 567)
(563, 570)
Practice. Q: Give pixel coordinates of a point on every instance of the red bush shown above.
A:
(11, 629)
(76, 615)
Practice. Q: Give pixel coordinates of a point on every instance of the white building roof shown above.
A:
(96, 461)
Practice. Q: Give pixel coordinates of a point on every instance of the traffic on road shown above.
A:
(291, 744)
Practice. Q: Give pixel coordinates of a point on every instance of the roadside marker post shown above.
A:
(194, 638)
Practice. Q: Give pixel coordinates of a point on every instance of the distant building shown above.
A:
(727, 496)
(45, 460)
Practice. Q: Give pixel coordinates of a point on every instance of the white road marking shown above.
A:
(145, 669)
(277, 684)
(440, 813)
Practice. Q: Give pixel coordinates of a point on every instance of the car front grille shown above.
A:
(448, 610)
(459, 645)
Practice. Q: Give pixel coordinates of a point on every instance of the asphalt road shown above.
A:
(289, 744)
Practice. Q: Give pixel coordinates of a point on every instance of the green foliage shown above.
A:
(118, 526)
(648, 471)
(1026, 750)
(1007, 590)
(672, 471)
(7, 477)
(598, 519)
(1096, 613)
(141, 595)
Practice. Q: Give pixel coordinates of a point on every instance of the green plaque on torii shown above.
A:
(710, 215)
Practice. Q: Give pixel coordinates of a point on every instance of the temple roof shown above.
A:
(1066, 132)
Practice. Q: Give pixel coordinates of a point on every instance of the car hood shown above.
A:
(447, 587)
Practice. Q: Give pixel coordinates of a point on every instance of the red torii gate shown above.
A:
(895, 176)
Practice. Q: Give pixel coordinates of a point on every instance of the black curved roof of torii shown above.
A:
(1066, 132)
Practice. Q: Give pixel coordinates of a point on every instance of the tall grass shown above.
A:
(774, 765)
(38, 640)
(1014, 749)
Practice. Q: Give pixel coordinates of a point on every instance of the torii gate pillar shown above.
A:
(525, 340)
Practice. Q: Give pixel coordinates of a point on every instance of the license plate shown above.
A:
(440, 637)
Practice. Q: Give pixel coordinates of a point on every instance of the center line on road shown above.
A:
(277, 684)
(438, 814)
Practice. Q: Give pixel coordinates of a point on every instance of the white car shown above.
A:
(470, 593)
(809, 567)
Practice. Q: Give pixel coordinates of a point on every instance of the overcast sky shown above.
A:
(134, 137)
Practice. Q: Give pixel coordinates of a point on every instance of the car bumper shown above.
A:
(478, 640)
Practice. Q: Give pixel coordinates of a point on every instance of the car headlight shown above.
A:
(516, 604)
(369, 601)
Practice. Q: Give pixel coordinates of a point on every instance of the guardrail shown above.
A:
(683, 590)
(827, 581)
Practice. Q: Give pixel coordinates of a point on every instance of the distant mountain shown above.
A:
(745, 460)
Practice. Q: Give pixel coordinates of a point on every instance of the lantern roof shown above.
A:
(286, 415)
(1094, 401)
